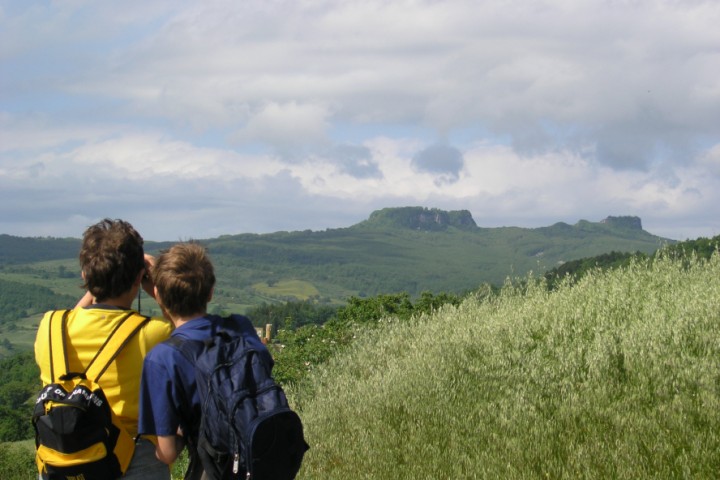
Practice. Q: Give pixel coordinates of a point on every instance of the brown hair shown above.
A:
(111, 258)
(184, 277)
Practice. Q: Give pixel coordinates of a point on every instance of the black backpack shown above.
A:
(247, 429)
(77, 435)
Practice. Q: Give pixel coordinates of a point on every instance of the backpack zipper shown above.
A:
(236, 463)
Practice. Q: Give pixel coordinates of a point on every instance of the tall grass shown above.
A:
(17, 460)
(616, 377)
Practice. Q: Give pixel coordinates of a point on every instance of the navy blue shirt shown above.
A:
(168, 393)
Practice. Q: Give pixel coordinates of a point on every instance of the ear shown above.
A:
(212, 290)
(138, 279)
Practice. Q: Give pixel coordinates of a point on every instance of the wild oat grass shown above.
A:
(614, 377)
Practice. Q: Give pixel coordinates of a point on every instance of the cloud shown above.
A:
(444, 160)
(354, 160)
(571, 109)
(285, 126)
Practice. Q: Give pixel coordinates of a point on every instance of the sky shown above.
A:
(195, 119)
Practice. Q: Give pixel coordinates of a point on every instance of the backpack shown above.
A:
(77, 435)
(247, 429)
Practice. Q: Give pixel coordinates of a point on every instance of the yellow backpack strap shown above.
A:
(56, 341)
(126, 328)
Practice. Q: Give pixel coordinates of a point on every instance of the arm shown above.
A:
(85, 301)
(157, 410)
(169, 447)
(146, 282)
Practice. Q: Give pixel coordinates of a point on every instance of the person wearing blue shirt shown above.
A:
(184, 280)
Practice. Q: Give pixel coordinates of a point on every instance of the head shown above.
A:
(184, 279)
(111, 259)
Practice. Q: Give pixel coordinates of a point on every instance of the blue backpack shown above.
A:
(247, 429)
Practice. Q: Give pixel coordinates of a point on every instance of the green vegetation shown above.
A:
(20, 383)
(298, 351)
(290, 315)
(19, 300)
(397, 250)
(600, 368)
(613, 377)
(413, 250)
(17, 460)
(17, 250)
(611, 373)
(284, 289)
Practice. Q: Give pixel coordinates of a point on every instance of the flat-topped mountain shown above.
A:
(436, 220)
(420, 218)
(406, 249)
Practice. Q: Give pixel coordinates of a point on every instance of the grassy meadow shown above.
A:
(615, 377)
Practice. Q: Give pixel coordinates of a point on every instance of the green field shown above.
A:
(287, 289)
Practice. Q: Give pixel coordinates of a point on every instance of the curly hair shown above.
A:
(111, 258)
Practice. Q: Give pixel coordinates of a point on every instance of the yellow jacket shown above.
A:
(87, 330)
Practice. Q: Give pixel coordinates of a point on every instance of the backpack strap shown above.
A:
(56, 341)
(118, 338)
(127, 327)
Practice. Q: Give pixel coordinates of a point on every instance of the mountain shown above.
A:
(419, 218)
(407, 249)
(415, 249)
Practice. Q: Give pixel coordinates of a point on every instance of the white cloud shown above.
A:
(286, 126)
(555, 109)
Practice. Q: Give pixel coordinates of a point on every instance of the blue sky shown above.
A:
(197, 119)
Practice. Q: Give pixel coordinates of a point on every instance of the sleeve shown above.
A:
(158, 412)
(42, 350)
(155, 331)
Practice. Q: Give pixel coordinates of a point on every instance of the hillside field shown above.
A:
(614, 377)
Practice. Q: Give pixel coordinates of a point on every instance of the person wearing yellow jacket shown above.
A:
(114, 267)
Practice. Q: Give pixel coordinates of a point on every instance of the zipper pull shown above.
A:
(236, 463)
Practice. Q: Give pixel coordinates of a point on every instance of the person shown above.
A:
(170, 407)
(113, 268)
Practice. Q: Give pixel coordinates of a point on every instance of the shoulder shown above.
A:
(42, 335)
(163, 354)
(156, 330)
(159, 326)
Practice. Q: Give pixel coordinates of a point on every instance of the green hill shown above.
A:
(416, 249)
(409, 249)
(613, 377)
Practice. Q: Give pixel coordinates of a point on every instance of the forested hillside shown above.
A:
(412, 250)
(396, 250)
(16, 250)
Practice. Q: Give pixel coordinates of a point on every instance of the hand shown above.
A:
(147, 283)
(86, 300)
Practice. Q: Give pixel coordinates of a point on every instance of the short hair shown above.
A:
(111, 258)
(184, 277)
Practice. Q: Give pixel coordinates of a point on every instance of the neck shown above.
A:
(178, 321)
(123, 301)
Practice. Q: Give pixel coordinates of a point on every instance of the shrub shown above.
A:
(17, 460)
